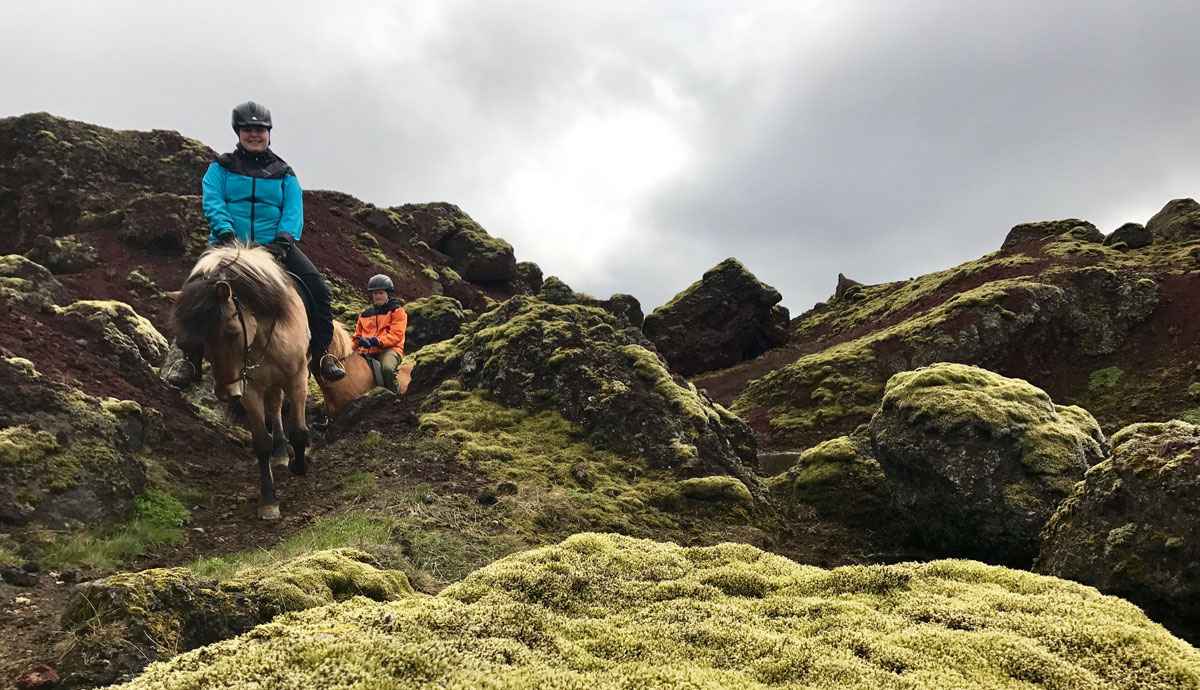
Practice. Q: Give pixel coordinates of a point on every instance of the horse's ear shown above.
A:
(173, 295)
(224, 292)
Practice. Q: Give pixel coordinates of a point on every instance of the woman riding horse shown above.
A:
(252, 196)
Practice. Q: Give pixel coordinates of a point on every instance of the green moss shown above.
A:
(22, 444)
(542, 453)
(430, 273)
(613, 612)
(317, 579)
(718, 489)
(1104, 379)
(946, 396)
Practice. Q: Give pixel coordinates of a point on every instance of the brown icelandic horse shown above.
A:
(358, 380)
(241, 304)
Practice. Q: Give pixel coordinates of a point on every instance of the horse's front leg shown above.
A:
(268, 505)
(279, 437)
(297, 427)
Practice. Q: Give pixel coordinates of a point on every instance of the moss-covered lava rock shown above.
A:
(725, 317)
(67, 460)
(840, 481)
(1132, 527)
(430, 320)
(604, 611)
(121, 623)
(979, 461)
(585, 364)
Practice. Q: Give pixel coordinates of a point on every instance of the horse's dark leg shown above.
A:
(297, 427)
(279, 437)
(268, 505)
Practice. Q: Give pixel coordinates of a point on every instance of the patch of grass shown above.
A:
(1104, 379)
(9, 558)
(372, 440)
(1191, 415)
(358, 529)
(360, 484)
(157, 520)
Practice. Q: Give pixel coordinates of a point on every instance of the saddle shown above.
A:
(376, 369)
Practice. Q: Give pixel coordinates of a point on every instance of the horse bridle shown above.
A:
(246, 366)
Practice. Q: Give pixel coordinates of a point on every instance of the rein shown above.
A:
(244, 375)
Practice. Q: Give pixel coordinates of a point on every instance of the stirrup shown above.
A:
(335, 373)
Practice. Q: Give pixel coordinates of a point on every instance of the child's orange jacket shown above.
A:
(386, 323)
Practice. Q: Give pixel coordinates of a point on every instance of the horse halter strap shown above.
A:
(246, 366)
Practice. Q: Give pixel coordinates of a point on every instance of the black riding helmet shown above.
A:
(380, 282)
(251, 113)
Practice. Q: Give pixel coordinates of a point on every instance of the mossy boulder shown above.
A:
(69, 254)
(28, 284)
(841, 481)
(130, 334)
(67, 460)
(431, 320)
(477, 256)
(624, 307)
(1069, 229)
(1132, 235)
(726, 317)
(598, 373)
(528, 279)
(163, 223)
(605, 611)
(1132, 527)
(978, 461)
(121, 623)
(1178, 221)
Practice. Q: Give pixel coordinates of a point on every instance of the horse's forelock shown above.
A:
(261, 286)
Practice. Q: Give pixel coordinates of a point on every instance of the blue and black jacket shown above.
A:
(256, 196)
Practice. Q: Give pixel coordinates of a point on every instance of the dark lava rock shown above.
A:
(598, 373)
(528, 279)
(728, 316)
(625, 307)
(68, 254)
(846, 287)
(1178, 221)
(19, 577)
(1133, 235)
(430, 320)
(979, 461)
(1071, 228)
(506, 489)
(477, 256)
(163, 223)
(1132, 527)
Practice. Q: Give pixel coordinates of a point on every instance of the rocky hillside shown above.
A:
(816, 479)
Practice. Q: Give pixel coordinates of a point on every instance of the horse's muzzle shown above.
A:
(230, 392)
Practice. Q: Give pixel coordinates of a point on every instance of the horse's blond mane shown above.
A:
(255, 278)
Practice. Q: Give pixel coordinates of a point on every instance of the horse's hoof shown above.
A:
(278, 463)
(297, 470)
(268, 512)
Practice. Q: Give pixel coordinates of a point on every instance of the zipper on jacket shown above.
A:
(253, 202)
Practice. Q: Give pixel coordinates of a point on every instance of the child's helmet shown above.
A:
(380, 282)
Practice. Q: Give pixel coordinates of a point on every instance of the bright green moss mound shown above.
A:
(318, 578)
(604, 611)
(947, 396)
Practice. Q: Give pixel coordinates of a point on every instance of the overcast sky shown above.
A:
(630, 146)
